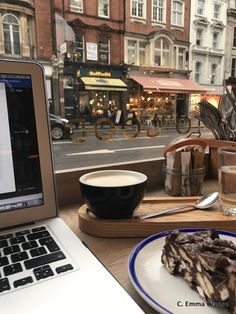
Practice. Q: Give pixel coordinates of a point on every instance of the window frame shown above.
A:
(101, 7)
(105, 51)
(199, 30)
(163, 52)
(83, 48)
(215, 12)
(158, 8)
(137, 50)
(197, 73)
(215, 42)
(199, 8)
(176, 13)
(138, 2)
(77, 8)
(234, 38)
(11, 33)
(213, 73)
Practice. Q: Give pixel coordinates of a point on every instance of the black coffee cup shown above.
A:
(113, 194)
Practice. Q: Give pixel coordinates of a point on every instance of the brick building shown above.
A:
(90, 39)
(157, 52)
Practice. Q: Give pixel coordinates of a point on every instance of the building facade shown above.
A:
(207, 49)
(90, 40)
(157, 53)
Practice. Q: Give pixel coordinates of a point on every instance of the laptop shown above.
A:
(44, 267)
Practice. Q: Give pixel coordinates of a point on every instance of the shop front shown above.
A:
(98, 91)
(163, 98)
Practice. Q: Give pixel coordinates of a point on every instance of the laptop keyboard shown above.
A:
(29, 256)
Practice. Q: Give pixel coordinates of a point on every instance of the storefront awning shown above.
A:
(168, 85)
(100, 83)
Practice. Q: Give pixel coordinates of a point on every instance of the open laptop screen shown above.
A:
(20, 178)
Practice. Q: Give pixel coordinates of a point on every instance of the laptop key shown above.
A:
(17, 257)
(38, 235)
(43, 272)
(11, 249)
(44, 259)
(64, 268)
(38, 229)
(29, 245)
(4, 261)
(22, 232)
(17, 240)
(50, 244)
(38, 251)
(6, 236)
(22, 281)
(12, 269)
(4, 284)
(3, 243)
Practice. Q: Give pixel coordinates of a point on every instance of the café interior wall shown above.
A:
(67, 181)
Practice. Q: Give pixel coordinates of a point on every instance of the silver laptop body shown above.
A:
(44, 267)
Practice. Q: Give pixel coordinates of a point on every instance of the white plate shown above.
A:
(164, 292)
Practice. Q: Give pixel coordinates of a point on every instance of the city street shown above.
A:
(94, 152)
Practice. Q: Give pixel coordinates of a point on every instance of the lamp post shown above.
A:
(57, 85)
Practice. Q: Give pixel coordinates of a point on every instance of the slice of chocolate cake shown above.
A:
(206, 262)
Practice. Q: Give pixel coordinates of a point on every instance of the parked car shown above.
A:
(60, 127)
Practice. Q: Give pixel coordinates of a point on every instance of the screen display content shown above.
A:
(20, 177)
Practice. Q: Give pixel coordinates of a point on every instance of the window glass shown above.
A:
(78, 53)
(76, 5)
(200, 7)
(234, 39)
(103, 8)
(138, 8)
(177, 13)
(197, 71)
(162, 56)
(158, 10)
(132, 51)
(213, 73)
(199, 37)
(215, 40)
(216, 10)
(104, 50)
(11, 34)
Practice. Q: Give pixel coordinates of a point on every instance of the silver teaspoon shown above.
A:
(204, 202)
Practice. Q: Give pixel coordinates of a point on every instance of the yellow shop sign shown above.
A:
(99, 74)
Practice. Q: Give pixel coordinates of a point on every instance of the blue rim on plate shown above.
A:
(134, 254)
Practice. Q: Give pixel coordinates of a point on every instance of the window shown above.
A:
(181, 58)
(103, 8)
(132, 47)
(11, 34)
(234, 39)
(137, 8)
(216, 10)
(162, 53)
(142, 53)
(233, 68)
(199, 37)
(177, 13)
(198, 67)
(76, 5)
(136, 52)
(200, 7)
(78, 53)
(213, 73)
(104, 50)
(158, 10)
(215, 40)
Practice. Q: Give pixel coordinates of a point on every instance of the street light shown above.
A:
(57, 85)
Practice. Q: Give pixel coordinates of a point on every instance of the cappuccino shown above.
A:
(113, 178)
